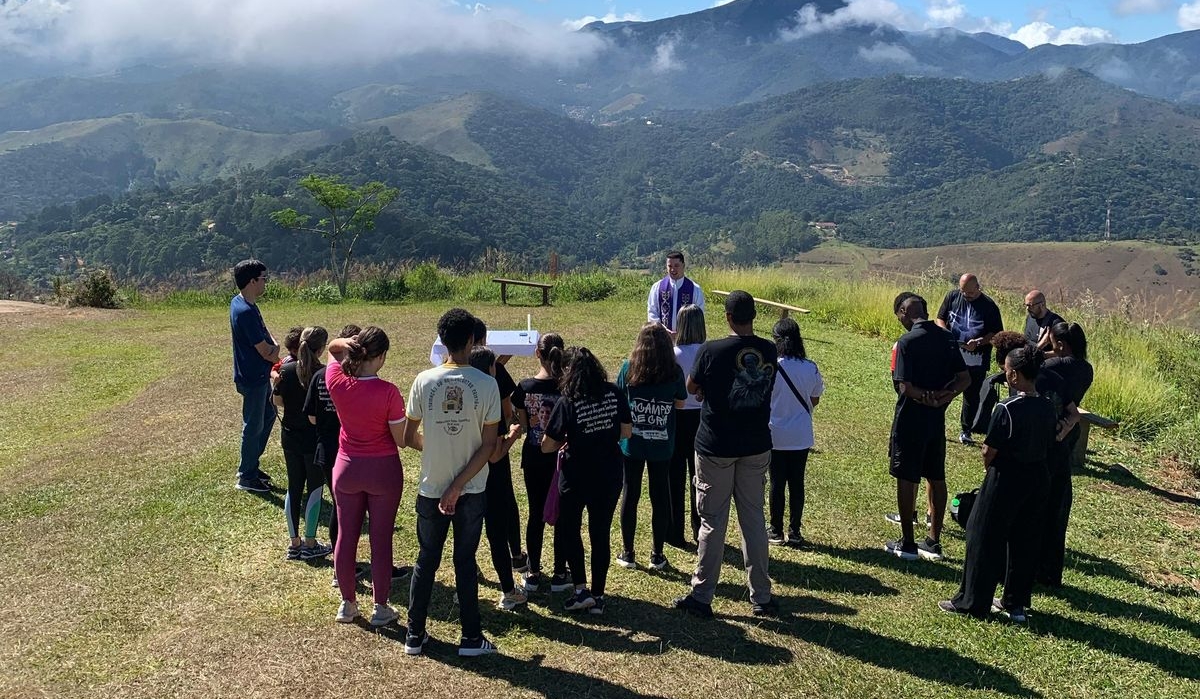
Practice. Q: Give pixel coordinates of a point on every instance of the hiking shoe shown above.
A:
(658, 561)
(471, 647)
(317, 550)
(561, 582)
(769, 608)
(414, 644)
(625, 560)
(532, 582)
(582, 599)
(693, 606)
(293, 553)
(598, 607)
(511, 600)
(965, 438)
(930, 549)
(401, 572)
(520, 563)
(898, 548)
(774, 536)
(252, 486)
(347, 613)
(384, 615)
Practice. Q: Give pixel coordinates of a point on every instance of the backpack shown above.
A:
(961, 506)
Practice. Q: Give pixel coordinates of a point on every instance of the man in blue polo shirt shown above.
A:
(254, 353)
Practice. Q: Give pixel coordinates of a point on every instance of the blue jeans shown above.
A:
(258, 417)
(432, 528)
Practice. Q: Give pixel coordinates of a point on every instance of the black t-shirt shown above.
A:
(926, 357)
(1034, 326)
(592, 430)
(505, 383)
(737, 375)
(537, 398)
(318, 404)
(1022, 432)
(298, 433)
(1076, 374)
(971, 319)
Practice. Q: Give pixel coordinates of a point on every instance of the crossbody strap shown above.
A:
(788, 379)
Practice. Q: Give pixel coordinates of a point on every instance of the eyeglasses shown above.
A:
(1034, 305)
(261, 278)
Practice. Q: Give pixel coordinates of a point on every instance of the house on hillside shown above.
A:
(826, 226)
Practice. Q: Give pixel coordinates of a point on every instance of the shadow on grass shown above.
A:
(1084, 600)
(881, 559)
(813, 577)
(1123, 477)
(1115, 642)
(544, 681)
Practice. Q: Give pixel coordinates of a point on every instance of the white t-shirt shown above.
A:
(454, 403)
(685, 356)
(791, 424)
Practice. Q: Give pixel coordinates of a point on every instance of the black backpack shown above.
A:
(961, 506)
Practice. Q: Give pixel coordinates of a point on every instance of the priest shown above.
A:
(672, 293)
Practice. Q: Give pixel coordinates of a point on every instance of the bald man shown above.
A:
(972, 317)
(1040, 320)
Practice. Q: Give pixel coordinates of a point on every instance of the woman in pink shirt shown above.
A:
(367, 476)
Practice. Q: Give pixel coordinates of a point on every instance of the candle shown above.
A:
(529, 327)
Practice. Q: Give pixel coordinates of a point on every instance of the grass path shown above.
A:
(131, 567)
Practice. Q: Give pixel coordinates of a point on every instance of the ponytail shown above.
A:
(312, 344)
(550, 354)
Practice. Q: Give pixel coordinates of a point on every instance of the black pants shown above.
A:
(787, 471)
(601, 504)
(1003, 538)
(538, 469)
(502, 522)
(971, 398)
(432, 528)
(304, 481)
(1056, 515)
(682, 476)
(325, 457)
(660, 501)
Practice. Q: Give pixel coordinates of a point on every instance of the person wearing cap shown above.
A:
(733, 377)
(671, 293)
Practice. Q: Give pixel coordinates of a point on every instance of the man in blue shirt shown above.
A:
(254, 353)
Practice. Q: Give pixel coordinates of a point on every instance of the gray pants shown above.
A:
(744, 479)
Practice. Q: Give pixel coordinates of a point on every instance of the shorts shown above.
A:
(918, 450)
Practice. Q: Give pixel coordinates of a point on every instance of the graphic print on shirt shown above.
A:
(538, 407)
(650, 418)
(593, 417)
(752, 380)
(450, 394)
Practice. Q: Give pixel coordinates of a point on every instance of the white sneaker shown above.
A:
(383, 615)
(347, 613)
(511, 600)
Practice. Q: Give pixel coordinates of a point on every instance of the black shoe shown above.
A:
(414, 644)
(900, 549)
(690, 605)
(794, 539)
(471, 647)
(930, 549)
(264, 477)
(965, 438)
(532, 583)
(597, 607)
(581, 600)
(561, 582)
(769, 608)
(401, 572)
(774, 536)
(252, 486)
(520, 564)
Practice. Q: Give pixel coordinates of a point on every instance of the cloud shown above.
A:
(718, 3)
(1041, 32)
(1189, 15)
(1125, 8)
(301, 33)
(855, 13)
(887, 53)
(575, 24)
(664, 55)
(1115, 70)
(945, 13)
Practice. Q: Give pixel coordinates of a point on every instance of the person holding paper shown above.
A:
(672, 293)
(972, 317)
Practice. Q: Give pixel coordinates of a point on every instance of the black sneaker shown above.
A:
(520, 563)
(471, 647)
(794, 539)
(769, 608)
(658, 561)
(264, 477)
(1017, 615)
(401, 572)
(317, 550)
(930, 549)
(597, 607)
(965, 438)
(561, 582)
(532, 582)
(898, 548)
(252, 486)
(293, 553)
(774, 536)
(414, 644)
(690, 605)
(625, 560)
(581, 600)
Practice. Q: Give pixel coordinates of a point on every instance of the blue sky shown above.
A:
(1058, 21)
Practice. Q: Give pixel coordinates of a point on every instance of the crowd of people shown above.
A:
(706, 423)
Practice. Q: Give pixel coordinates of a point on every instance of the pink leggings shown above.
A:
(363, 484)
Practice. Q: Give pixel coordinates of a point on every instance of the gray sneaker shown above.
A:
(384, 615)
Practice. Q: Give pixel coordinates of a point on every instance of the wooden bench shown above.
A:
(1086, 420)
(520, 282)
(784, 309)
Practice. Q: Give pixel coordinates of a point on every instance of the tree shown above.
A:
(351, 211)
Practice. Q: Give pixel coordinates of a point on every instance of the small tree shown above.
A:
(351, 211)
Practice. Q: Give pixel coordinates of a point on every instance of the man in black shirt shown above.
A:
(973, 318)
(929, 372)
(734, 377)
(1039, 321)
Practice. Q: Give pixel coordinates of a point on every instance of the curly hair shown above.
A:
(652, 360)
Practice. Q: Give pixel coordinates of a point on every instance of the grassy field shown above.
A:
(133, 568)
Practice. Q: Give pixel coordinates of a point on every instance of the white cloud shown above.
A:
(1189, 15)
(1140, 7)
(609, 18)
(945, 13)
(854, 13)
(887, 53)
(718, 3)
(1041, 32)
(664, 55)
(278, 32)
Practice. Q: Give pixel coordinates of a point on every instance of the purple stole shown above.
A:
(667, 306)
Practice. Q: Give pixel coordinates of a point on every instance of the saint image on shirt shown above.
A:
(752, 380)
